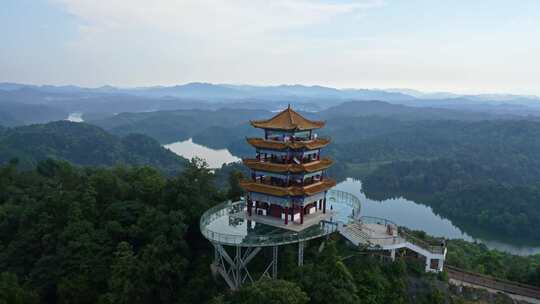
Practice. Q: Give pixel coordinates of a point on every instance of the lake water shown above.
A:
(401, 211)
(420, 217)
(215, 158)
(75, 117)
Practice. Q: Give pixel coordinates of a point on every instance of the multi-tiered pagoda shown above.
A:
(288, 182)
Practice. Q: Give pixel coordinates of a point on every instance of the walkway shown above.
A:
(382, 234)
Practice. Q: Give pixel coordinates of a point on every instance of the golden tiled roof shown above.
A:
(252, 186)
(294, 168)
(288, 120)
(295, 145)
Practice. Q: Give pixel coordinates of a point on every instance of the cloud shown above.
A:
(199, 17)
(169, 41)
(344, 43)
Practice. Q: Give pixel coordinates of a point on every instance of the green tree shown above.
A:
(12, 293)
(235, 191)
(270, 292)
(123, 282)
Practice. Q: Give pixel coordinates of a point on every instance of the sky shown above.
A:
(463, 46)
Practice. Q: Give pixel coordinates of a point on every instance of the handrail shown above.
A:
(402, 236)
(437, 249)
(226, 208)
(378, 220)
(253, 239)
(347, 198)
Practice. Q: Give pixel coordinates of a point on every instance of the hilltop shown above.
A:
(83, 144)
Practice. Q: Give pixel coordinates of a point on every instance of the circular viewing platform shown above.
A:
(227, 224)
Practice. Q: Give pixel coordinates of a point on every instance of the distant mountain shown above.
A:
(7, 120)
(107, 100)
(16, 114)
(221, 92)
(200, 90)
(191, 90)
(171, 126)
(424, 95)
(83, 144)
(385, 109)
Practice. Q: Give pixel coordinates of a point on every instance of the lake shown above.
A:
(420, 217)
(403, 212)
(215, 158)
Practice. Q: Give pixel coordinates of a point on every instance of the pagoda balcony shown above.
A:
(323, 185)
(313, 166)
(286, 181)
(284, 159)
(312, 144)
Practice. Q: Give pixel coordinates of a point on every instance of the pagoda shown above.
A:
(288, 183)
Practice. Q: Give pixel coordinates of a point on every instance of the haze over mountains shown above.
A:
(209, 91)
(26, 104)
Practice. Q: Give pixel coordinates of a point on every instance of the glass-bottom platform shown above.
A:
(228, 223)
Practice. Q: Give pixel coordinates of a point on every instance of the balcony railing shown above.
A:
(254, 240)
(251, 238)
(401, 236)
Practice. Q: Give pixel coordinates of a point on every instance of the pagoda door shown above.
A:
(276, 211)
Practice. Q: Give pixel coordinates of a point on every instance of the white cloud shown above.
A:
(230, 17)
(328, 42)
(167, 41)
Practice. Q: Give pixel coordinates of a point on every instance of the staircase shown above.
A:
(375, 237)
(353, 232)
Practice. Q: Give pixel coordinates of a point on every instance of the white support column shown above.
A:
(428, 264)
(393, 254)
(301, 253)
(440, 264)
(274, 262)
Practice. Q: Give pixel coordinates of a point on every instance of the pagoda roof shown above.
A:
(312, 189)
(288, 120)
(293, 168)
(282, 145)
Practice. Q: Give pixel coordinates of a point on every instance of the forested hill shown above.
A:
(403, 112)
(17, 114)
(83, 144)
(170, 126)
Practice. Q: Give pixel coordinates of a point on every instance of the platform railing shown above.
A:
(401, 236)
(226, 208)
(347, 198)
(436, 249)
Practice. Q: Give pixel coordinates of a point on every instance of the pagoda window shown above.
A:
(310, 156)
(278, 135)
(302, 136)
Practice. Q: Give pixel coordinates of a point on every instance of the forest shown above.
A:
(83, 144)
(130, 235)
(445, 162)
(111, 215)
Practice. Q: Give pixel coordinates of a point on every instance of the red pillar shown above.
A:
(249, 207)
(324, 205)
(292, 214)
(301, 215)
(286, 215)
